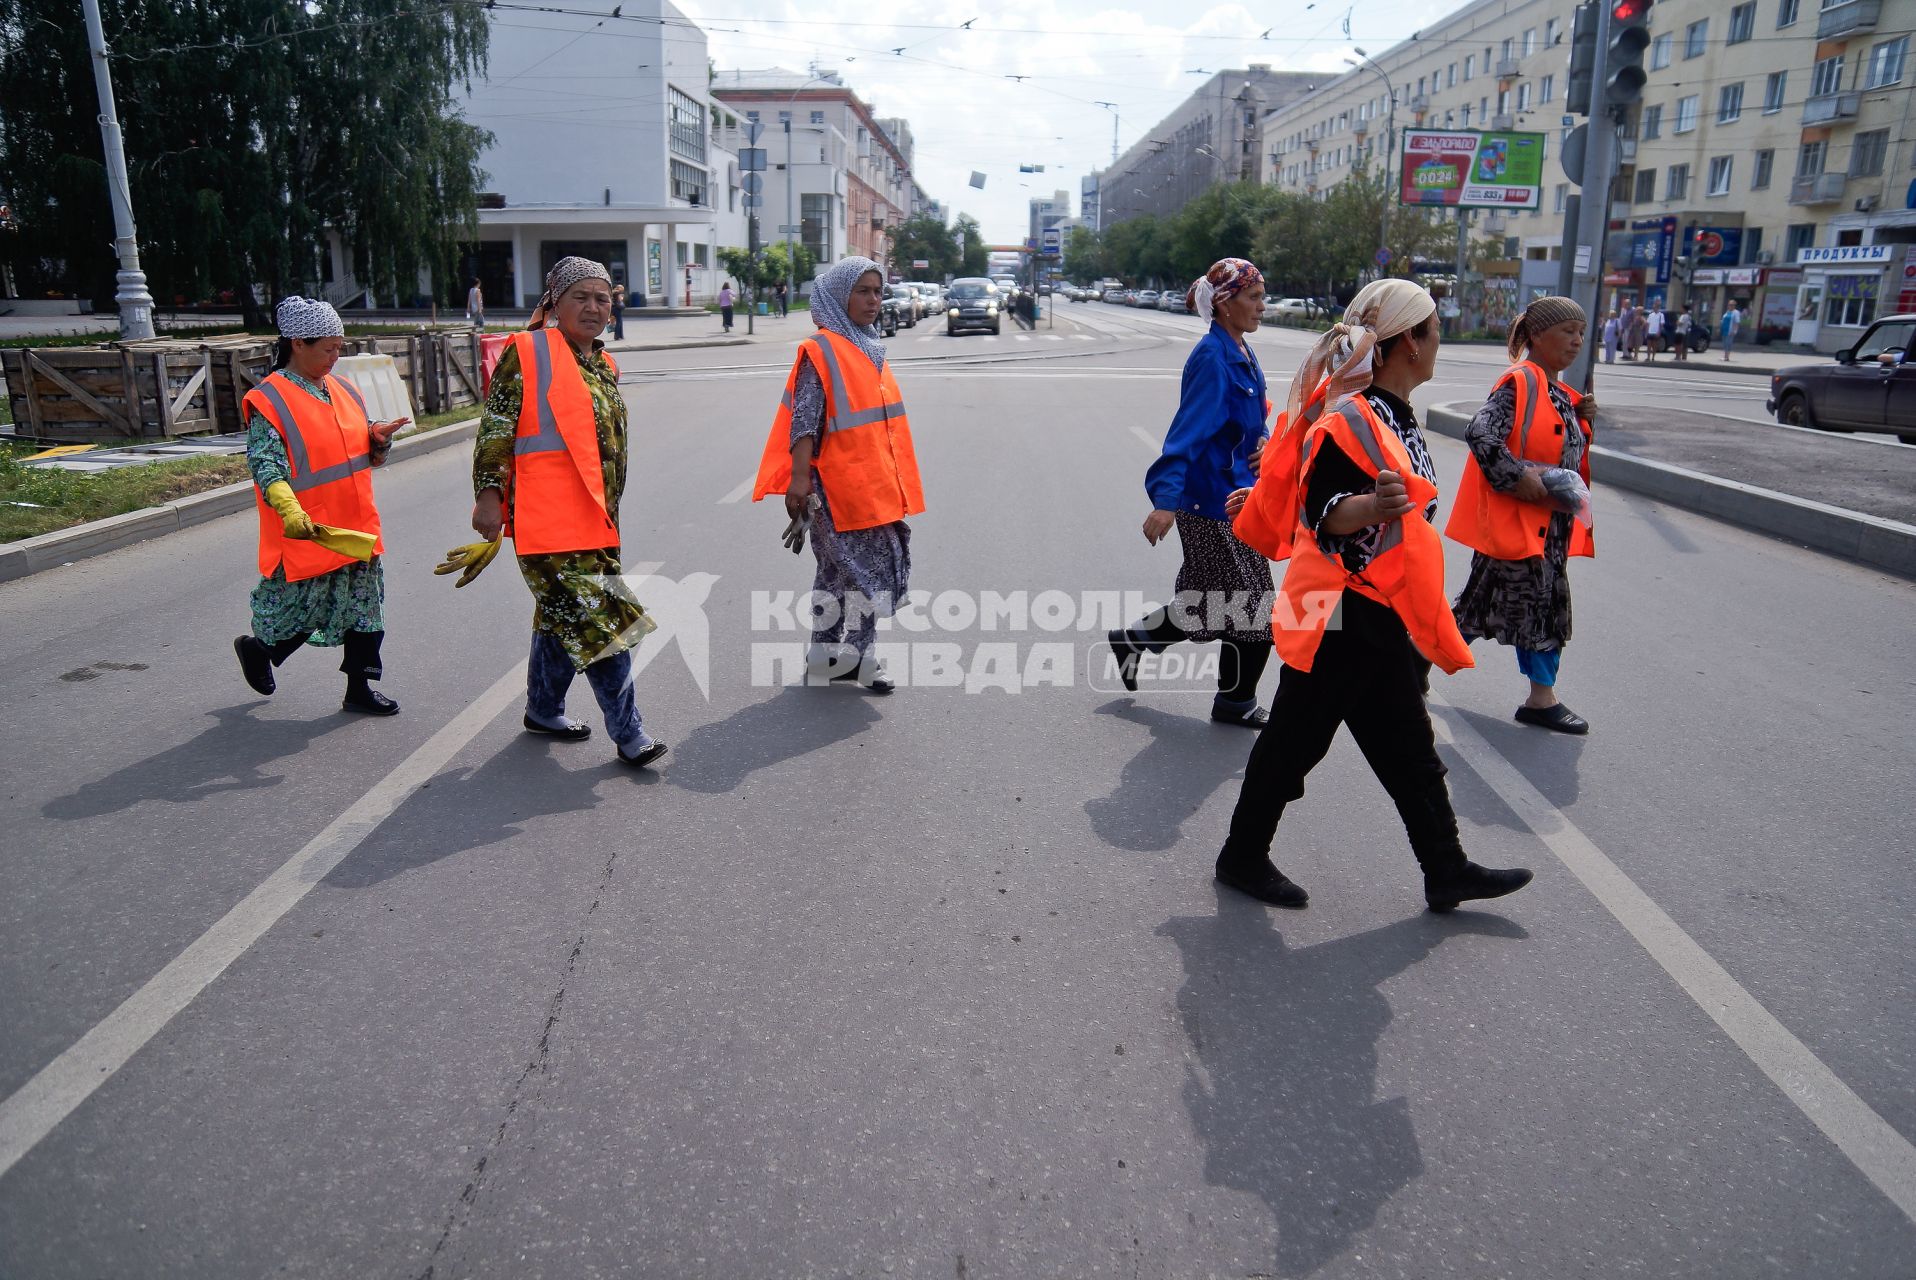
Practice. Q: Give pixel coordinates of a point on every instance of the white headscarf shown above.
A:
(299, 317)
(1382, 309)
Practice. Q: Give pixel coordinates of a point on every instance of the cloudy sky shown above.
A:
(955, 85)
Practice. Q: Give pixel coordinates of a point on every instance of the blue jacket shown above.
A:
(1219, 422)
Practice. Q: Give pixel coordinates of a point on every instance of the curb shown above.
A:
(64, 546)
(681, 346)
(1862, 539)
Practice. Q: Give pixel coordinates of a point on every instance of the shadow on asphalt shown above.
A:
(227, 756)
(1188, 757)
(1548, 761)
(1287, 1039)
(526, 779)
(716, 758)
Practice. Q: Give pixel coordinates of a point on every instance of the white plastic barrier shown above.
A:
(377, 379)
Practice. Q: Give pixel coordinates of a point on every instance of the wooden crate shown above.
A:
(81, 395)
(239, 363)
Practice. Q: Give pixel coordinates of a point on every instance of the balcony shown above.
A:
(1503, 123)
(1511, 68)
(1626, 150)
(1825, 107)
(1838, 21)
(1420, 103)
(1821, 188)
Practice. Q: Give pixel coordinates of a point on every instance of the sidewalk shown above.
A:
(1761, 361)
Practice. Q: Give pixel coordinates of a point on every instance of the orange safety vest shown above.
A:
(1270, 515)
(1406, 574)
(557, 501)
(328, 452)
(864, 457)
(1498, 524)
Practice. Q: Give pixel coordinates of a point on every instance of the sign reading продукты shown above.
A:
(1472, 169)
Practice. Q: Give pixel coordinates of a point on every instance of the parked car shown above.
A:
(931, 295)
(973, 302)
(1870, 386)
(1172, 300)
(910, 306)
(1145, 298)
(1116, 297)
(1289, 308)
(888, 318)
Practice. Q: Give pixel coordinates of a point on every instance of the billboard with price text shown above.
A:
(1471, 169)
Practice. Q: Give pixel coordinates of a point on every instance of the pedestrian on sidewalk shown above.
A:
(1653, 332)
(1685, 322)
(840, 451)
(1518, 591)
(1610, 327)
(618, 313)
(780, 295)
(548, 469)
(1210, 450)
(725, 304)
(309, 444)
(476, 306)
(1361, 540)
(1639, 328)
(1732, 321)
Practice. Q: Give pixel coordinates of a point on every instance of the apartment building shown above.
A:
(833, 167)
(1769, 162)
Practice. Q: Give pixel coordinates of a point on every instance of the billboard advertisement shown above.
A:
(1472, 169)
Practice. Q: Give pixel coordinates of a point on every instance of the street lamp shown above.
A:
(1390, 149)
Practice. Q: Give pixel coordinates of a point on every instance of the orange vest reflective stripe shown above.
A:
(558, 483)
(1498, 524)
(328, 452)
(1406, 574)
(864, 457)
(1270, 515)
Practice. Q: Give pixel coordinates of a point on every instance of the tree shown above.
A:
(1084, 256)
(973, 258)
(252, 128)
(925, 237)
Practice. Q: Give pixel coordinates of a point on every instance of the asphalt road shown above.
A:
(939, 985)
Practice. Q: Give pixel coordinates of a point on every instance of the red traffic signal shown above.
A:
(1629, 11)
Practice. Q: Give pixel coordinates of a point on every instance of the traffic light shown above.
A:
(1629, 39)
(1583, 59)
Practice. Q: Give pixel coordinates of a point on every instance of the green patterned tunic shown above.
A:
(323, 609)
(578, 597)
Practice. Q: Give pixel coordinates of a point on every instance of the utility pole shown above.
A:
(136, 304)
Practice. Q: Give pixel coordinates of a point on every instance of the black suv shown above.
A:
(973, 302)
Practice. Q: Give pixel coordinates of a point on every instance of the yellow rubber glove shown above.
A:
(292, 517)
(472, 558)
(346, 542)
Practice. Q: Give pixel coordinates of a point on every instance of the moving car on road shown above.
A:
(973, 302)
(910, 306)
(1867, 387)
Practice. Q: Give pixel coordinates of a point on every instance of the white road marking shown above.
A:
(741, 493)
(1882, 1154)
(1155, 446)
(34, 1109)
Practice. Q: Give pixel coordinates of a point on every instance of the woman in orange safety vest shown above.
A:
(840, 450)
(1518, 592)
(309, 444)
(548, 470)
(1361, 615)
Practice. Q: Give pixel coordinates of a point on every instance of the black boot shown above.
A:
(1445, 887)
(362, 697)
(1127, 656)
(1261, 880)
(256, 664)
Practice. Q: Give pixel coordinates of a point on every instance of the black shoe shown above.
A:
(1557, 717)
(879, 685)
(575, 733)
(645, 757)
(369, 702)
(1262, 881)
(1255, 718)
(1443, 890)
(255, 664)
(1127, 659)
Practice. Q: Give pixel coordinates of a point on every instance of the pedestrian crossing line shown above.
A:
(741, 493)
(1869, 1142)
(33, 1110)
(1144, 437)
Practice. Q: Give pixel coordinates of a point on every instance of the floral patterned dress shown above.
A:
(323, 609)
(579, 597)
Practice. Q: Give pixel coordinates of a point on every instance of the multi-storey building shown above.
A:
(833, 169)
(1768, 162)
(1214, 136)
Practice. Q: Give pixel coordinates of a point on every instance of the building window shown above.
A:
(1765, 163)
(1466, 115)
(1552, 29)
(752, 116)
(1547, 91)
(1450, 76)
(1742, 22)
(1652, 122)
(1696, 39)
(1563, 193)
(1646, 186)
(818, 117)
(1686, 114)
(1786, 12)
(1470, 65)
(1719, 176)
(688, 125)
(1850, 301)
(1809, 159)
(1752, 244)
(1828, 77)
(1729, 103)
(688, 182)
(1773, 92)
(1798, 237)
(1676, 185)
(1523, 96)
(1867, 152)
(1509, 49)
(1660, 49)
(1529, 41)
(1886, 63)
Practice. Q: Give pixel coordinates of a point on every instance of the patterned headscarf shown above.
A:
(299, 317)
(831, 297)
(1543, 313)
(1227, 278)
(567, 272)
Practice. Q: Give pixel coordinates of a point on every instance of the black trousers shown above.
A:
(1242, 663)
(1369, 676)
(362, 653)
